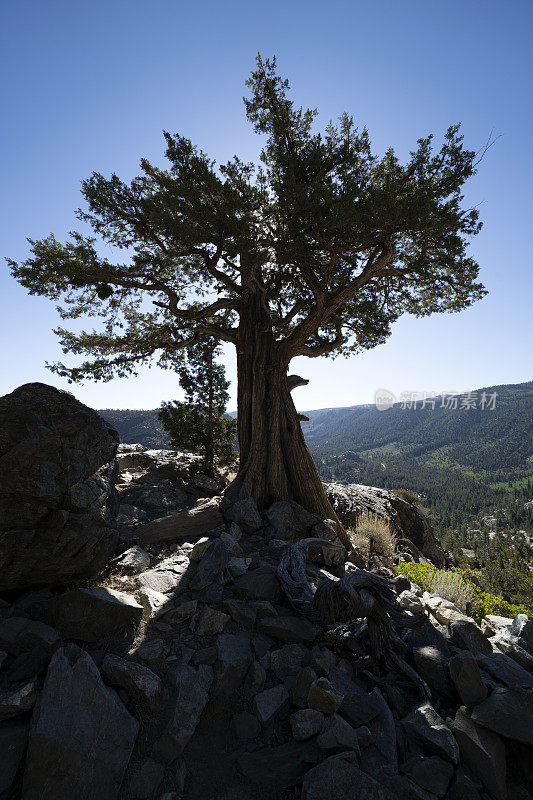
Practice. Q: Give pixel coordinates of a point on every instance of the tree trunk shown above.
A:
(275, 462)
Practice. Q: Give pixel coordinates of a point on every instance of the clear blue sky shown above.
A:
(90, 86)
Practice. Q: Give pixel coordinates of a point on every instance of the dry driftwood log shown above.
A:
(193, 522)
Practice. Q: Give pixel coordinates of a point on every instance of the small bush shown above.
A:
(375, 542)
(427, 577)
(453, 587)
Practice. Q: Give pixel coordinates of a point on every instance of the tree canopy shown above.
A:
(337, 241)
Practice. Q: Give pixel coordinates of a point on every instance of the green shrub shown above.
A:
(427, 577)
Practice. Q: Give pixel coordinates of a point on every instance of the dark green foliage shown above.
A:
(200, 424)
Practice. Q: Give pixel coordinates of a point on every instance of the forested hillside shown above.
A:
(461, 461)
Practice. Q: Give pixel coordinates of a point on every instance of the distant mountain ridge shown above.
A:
(476, 438)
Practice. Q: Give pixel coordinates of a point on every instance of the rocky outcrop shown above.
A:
(406, 520)
(57, 492)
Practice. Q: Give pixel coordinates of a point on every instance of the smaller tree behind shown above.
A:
(199, 424)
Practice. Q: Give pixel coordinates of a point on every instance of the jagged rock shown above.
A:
(381, 752)
(13, 743)
(506, 641)
(20, 635)
(432, 665)
(183, 612)
(483, 752)
(322, 660)
(323, 696)
(212, 568)
(255, 680)
(259, 584)
(289, 629)
(306, 723)
(243, 613)
(466, 676)
(90, 615)
(291, 521)
(358, 707)
(339, 777)
(76, 748)
(508, 712)
(279, 767)
(203, 517)
(410, 601)
(133, 560)
(238, 566)
(142, 783)
(301, 686)
(246, 726)
(148, 651)
(337, 736)
(200, 548)
(245, 514)
(491, 622)
(191, 694)
(141, 683)
(15, 702)
(234, 659)
(443, 610)
(287, 661)
(522, 628)
(211, 621)
(426, 727)
(466, 635)
(432, 774)
(405, 519)
(505, 670)
(270, 702)
(167, 576)
(57, 498)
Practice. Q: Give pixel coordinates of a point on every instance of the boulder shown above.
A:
(483, 752)
(76, 748)
(432, 666)
(20, 635)
(187, 524)
(466, 676)
(167, 576)
(306, 723)
(91, 615)
(13, 743)
(270, 702)
(505, 670)
(290, 521)
(406, 520)
(428, 729)
(58, 502)
(301, 686)
(254, 681)
(339, 777)
(133, 560)
(508, 712)
(337, 736)
(381, 752)
(432, 774)
(143, 685)
(245, 514)
(191, 694)
(234, 659)
(468, 636)
(259, 584)
(323, 697)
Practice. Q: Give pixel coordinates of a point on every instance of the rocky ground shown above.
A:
(193, 665)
